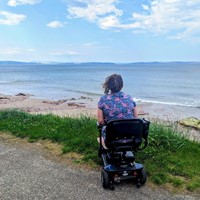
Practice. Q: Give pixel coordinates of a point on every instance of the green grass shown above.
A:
(170, 159)
(76, 135)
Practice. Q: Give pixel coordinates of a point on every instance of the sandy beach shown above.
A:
(87, 106)
(64, 107)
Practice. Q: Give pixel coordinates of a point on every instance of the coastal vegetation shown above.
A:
(170, 159)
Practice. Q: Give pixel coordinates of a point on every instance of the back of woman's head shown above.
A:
(113, 84)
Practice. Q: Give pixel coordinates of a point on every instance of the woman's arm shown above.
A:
(135, 112)
(100, 117)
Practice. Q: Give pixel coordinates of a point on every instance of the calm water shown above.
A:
(168, 83)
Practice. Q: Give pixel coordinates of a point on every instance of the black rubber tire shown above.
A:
(143, 176)
(105, 180)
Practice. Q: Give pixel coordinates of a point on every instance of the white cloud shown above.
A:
(175, 18)
(10, 51)
(65, 53)
(55, 24)
(109, 22)
(91, 44)
(11, 18)
(92, 10)
(14, 3)
(179, 18)
(145, 7)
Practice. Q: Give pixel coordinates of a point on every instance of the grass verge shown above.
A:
(170, 159)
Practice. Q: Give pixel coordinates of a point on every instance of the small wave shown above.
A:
(4, 82)
(166, 103)
(84, 92)
(26, 81)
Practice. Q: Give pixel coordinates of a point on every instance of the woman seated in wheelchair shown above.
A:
(115, 104)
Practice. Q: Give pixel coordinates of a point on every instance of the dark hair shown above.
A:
(113, 84)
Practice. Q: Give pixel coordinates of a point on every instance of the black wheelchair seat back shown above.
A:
(125, 134)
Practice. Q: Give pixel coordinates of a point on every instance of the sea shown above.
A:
(174, 83)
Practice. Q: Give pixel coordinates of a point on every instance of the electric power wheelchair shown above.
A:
(124, 137)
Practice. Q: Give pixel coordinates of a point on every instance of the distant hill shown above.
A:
(55, 63)
(16, 63)
(92, 63)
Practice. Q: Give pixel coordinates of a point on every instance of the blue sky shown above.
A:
(100, 30)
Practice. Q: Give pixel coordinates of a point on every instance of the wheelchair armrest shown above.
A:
(145, 133)
(145, 144)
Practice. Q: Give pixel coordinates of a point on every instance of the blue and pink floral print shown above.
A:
(117, 106)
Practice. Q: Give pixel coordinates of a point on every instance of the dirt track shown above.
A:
(27, 172)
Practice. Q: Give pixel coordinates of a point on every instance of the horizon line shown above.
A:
(90, 62)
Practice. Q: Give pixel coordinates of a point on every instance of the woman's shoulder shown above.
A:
(103, 97)
(126, 95)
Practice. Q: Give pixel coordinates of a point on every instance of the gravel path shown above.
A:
(27, 174)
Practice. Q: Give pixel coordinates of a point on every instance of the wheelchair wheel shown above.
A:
(142, 176)
(105, 180)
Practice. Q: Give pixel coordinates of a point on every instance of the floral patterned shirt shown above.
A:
(117, 106)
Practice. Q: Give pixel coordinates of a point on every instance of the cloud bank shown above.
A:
(176, 18)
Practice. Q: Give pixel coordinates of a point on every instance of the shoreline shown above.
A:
(63, 107)
(88, 105)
